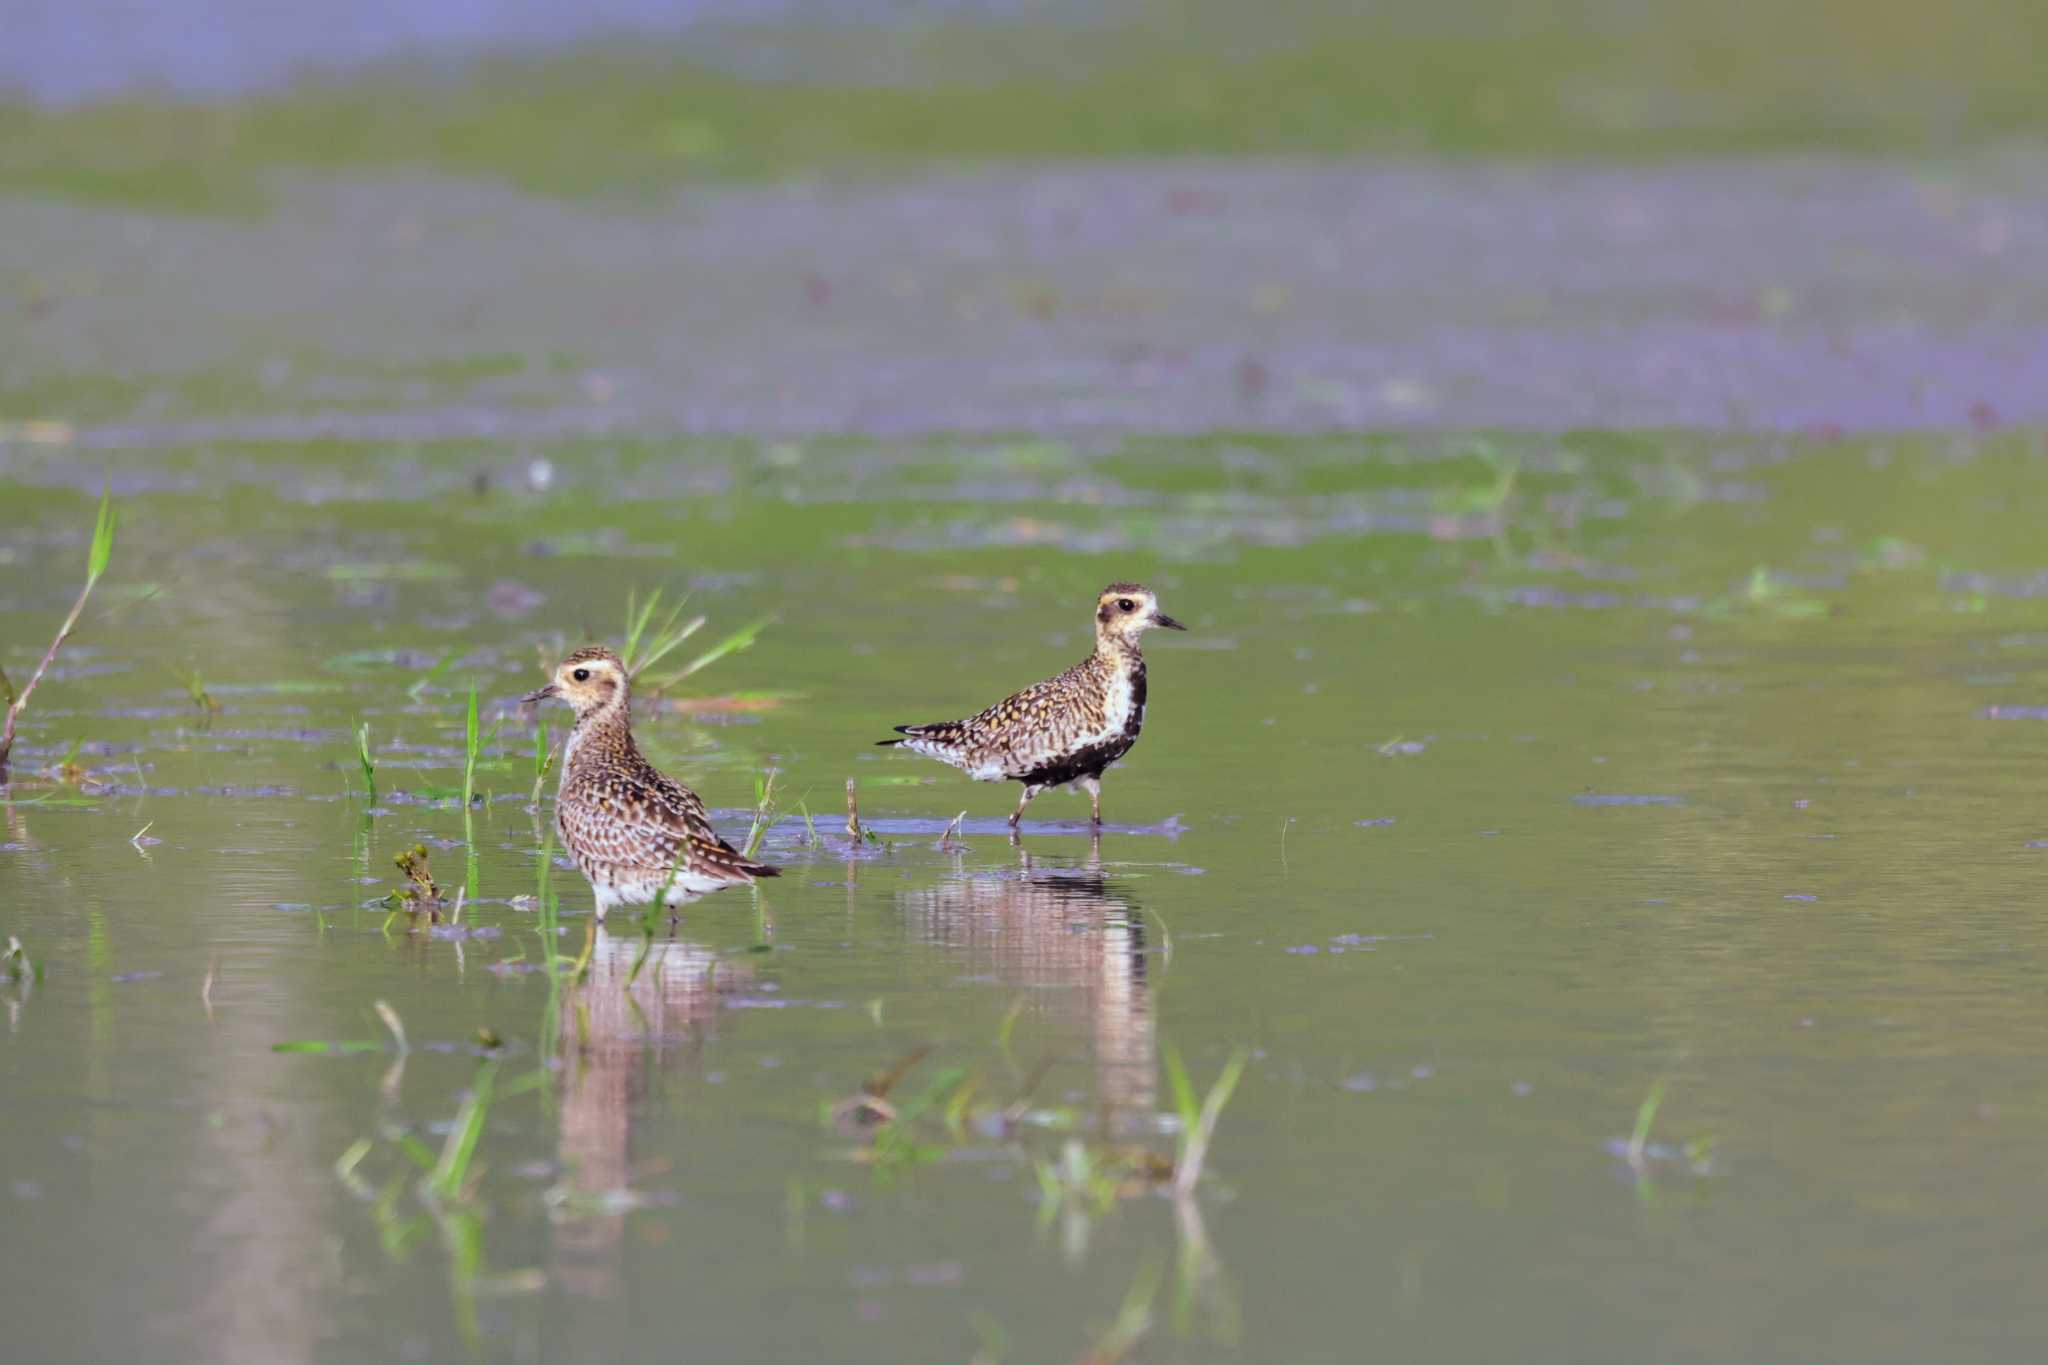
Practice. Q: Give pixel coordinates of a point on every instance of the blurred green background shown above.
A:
(737, 94)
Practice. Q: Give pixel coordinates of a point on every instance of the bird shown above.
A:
(1068, 728)
(637, 833)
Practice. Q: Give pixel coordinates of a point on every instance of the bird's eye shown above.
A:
(581, 675)
(1126, 604)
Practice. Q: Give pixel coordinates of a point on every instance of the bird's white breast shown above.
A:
(1118, 707)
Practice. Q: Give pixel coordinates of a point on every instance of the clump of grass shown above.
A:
(652, 635)
(195, 688)
(68, 769)
(96, 562)
(446, 1191)
(764, 811)
(898, 1144)
(871, 1106)
(1096, 1178)
(1645, 1159)
(422, 893)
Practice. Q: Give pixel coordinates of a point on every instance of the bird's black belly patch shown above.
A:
(1088, 762)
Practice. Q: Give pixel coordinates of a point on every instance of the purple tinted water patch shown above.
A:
(1605, 799)
(1624, 331)
(1996, 585)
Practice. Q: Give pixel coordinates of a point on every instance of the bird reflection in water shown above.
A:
(615, 1039)
(1075, 941)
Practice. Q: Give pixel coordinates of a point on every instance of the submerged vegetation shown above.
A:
(445, 1196)
(952, 1109)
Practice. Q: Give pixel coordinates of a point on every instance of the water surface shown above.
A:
(1473, 815)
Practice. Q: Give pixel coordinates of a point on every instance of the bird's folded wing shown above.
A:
(642, 835)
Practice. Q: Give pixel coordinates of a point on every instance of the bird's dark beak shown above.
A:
(542, 695)
(1162, 619)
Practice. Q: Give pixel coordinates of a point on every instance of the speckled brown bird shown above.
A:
(634, 831)
(1067, 728)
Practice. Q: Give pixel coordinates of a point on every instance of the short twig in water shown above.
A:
(394, 1023)
(852, 813)
(96, 564)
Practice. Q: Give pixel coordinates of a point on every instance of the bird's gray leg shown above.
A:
(1093, 786)
(1022, 801)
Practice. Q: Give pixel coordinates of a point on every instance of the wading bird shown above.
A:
(1067, 728)
(634, 831)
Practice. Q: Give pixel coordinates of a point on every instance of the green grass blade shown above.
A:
(1183, 1090)
(445, 1181)
(369, 764)
(426, 679)
(731, 644)
(1646, 1116)
(1220, 1093)
(469, 748)
(102, 538)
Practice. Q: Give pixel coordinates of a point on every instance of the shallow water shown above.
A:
(1473, 811)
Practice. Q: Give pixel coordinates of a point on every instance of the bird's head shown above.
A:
(590, 679)
(1125, 611)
